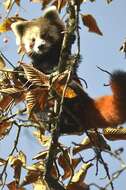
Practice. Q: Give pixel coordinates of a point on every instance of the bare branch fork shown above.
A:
(63, 61)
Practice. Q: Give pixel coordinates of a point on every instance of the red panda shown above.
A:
(42, 39)
(84, 112)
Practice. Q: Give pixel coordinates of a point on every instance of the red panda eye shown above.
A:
(33, 39)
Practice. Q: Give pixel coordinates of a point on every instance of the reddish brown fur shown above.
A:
(84, 112)
(81, 112)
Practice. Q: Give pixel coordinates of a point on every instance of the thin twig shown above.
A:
(12, 2)
(115, 175)
(11, 153)
(105, 71)
(7, 60)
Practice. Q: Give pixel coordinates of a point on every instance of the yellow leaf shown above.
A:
(77, 182)
(20, 156)
(7, 4)
(80, 175)
(16, 163)
(5, 25)
(61, 88)
(44, 140)
(115, 134)
(2, 63)
(40, 185)
(94, 139)
(69, 92)
(90, 22)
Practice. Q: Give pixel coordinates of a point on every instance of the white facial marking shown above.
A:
(31, 36)
(38, 42)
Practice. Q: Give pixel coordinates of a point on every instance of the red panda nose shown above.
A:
(42, 44)
(31, 45)
(40, 47)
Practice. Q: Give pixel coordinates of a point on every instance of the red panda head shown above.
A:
(36, 37)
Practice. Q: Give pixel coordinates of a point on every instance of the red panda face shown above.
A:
(38, 36)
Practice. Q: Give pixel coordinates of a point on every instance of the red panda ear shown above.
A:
(18, 28)
(51, 13)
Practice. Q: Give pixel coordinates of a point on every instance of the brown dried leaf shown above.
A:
(64, 162)
(2, 63)
(20, 156)
(115, 134)
(31, 101)
(4, 126)
(34, 172)
(13, 186)
(41, 96)
(35, 76)
(36, 99)
(17, 162)
(59, 4)
(90, 22)
(17, 2)
(5, 102)
(95, 140)
(75, 162)
(68, 164)
(31, 177)
(76, 186)
(54, 172)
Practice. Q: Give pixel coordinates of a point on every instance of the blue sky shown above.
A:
(97, 50)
